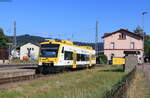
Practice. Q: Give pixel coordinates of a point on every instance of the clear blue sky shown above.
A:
(72, 19)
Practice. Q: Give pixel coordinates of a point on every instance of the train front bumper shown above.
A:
(44, 60)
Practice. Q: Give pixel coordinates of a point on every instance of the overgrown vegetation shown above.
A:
(101, 59)
(147, 46)
(18, 61)
(82, 84)
(140, 31)
(3, 39)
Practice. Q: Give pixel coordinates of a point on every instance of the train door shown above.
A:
(90, 60)
(74, 59)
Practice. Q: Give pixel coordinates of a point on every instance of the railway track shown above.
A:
(35, 76)
(26, 78)
(17, 79)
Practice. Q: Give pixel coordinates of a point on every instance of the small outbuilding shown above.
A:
(4, 56)
(30, 51)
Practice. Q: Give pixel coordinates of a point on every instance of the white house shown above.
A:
(31, 50)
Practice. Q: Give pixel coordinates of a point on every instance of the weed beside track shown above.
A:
(89, 83)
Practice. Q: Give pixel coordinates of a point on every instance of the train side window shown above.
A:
(62, 50)
(86, 58)
(82, 57)
(68, 55)
(78, 57)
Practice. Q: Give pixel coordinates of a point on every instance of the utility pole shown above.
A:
(96, 39)
(15, 42)
(72, 36)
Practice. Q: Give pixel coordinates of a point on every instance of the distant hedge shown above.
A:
(102, 59)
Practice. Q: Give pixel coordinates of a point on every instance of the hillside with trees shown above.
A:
(23, 39)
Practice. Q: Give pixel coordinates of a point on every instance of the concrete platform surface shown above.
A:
(15, 72)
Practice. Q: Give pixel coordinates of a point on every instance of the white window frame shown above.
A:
(112, 45)
(132, 45)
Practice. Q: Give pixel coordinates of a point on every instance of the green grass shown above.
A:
(92, 83)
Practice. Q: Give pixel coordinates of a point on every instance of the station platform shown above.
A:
(7, 73)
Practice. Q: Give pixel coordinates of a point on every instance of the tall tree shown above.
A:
(3, 39)
(138, 30)
(147, 46)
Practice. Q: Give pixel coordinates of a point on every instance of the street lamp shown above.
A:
(143, 13)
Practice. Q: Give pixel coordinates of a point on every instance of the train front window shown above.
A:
(49, 50)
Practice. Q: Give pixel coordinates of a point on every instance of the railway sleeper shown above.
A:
(48, 70)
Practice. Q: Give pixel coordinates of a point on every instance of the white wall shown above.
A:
(34, 51)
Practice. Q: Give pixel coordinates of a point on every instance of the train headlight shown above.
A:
(40, 63)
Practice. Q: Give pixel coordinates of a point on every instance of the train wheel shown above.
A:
(39, 70)
(46, 70)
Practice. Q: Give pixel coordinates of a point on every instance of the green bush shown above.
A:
(102, 59)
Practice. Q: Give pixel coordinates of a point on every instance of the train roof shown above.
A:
(66, 42)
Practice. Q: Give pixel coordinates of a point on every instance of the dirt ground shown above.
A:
(146, 70)
(140, 86)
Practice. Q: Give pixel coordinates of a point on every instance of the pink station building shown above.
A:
(119, 42)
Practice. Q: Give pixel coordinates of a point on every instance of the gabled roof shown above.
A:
(36, 44)
(122, 31)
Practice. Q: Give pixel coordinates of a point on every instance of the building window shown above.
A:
(132, 45)
(122, 36)
(112, 45)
